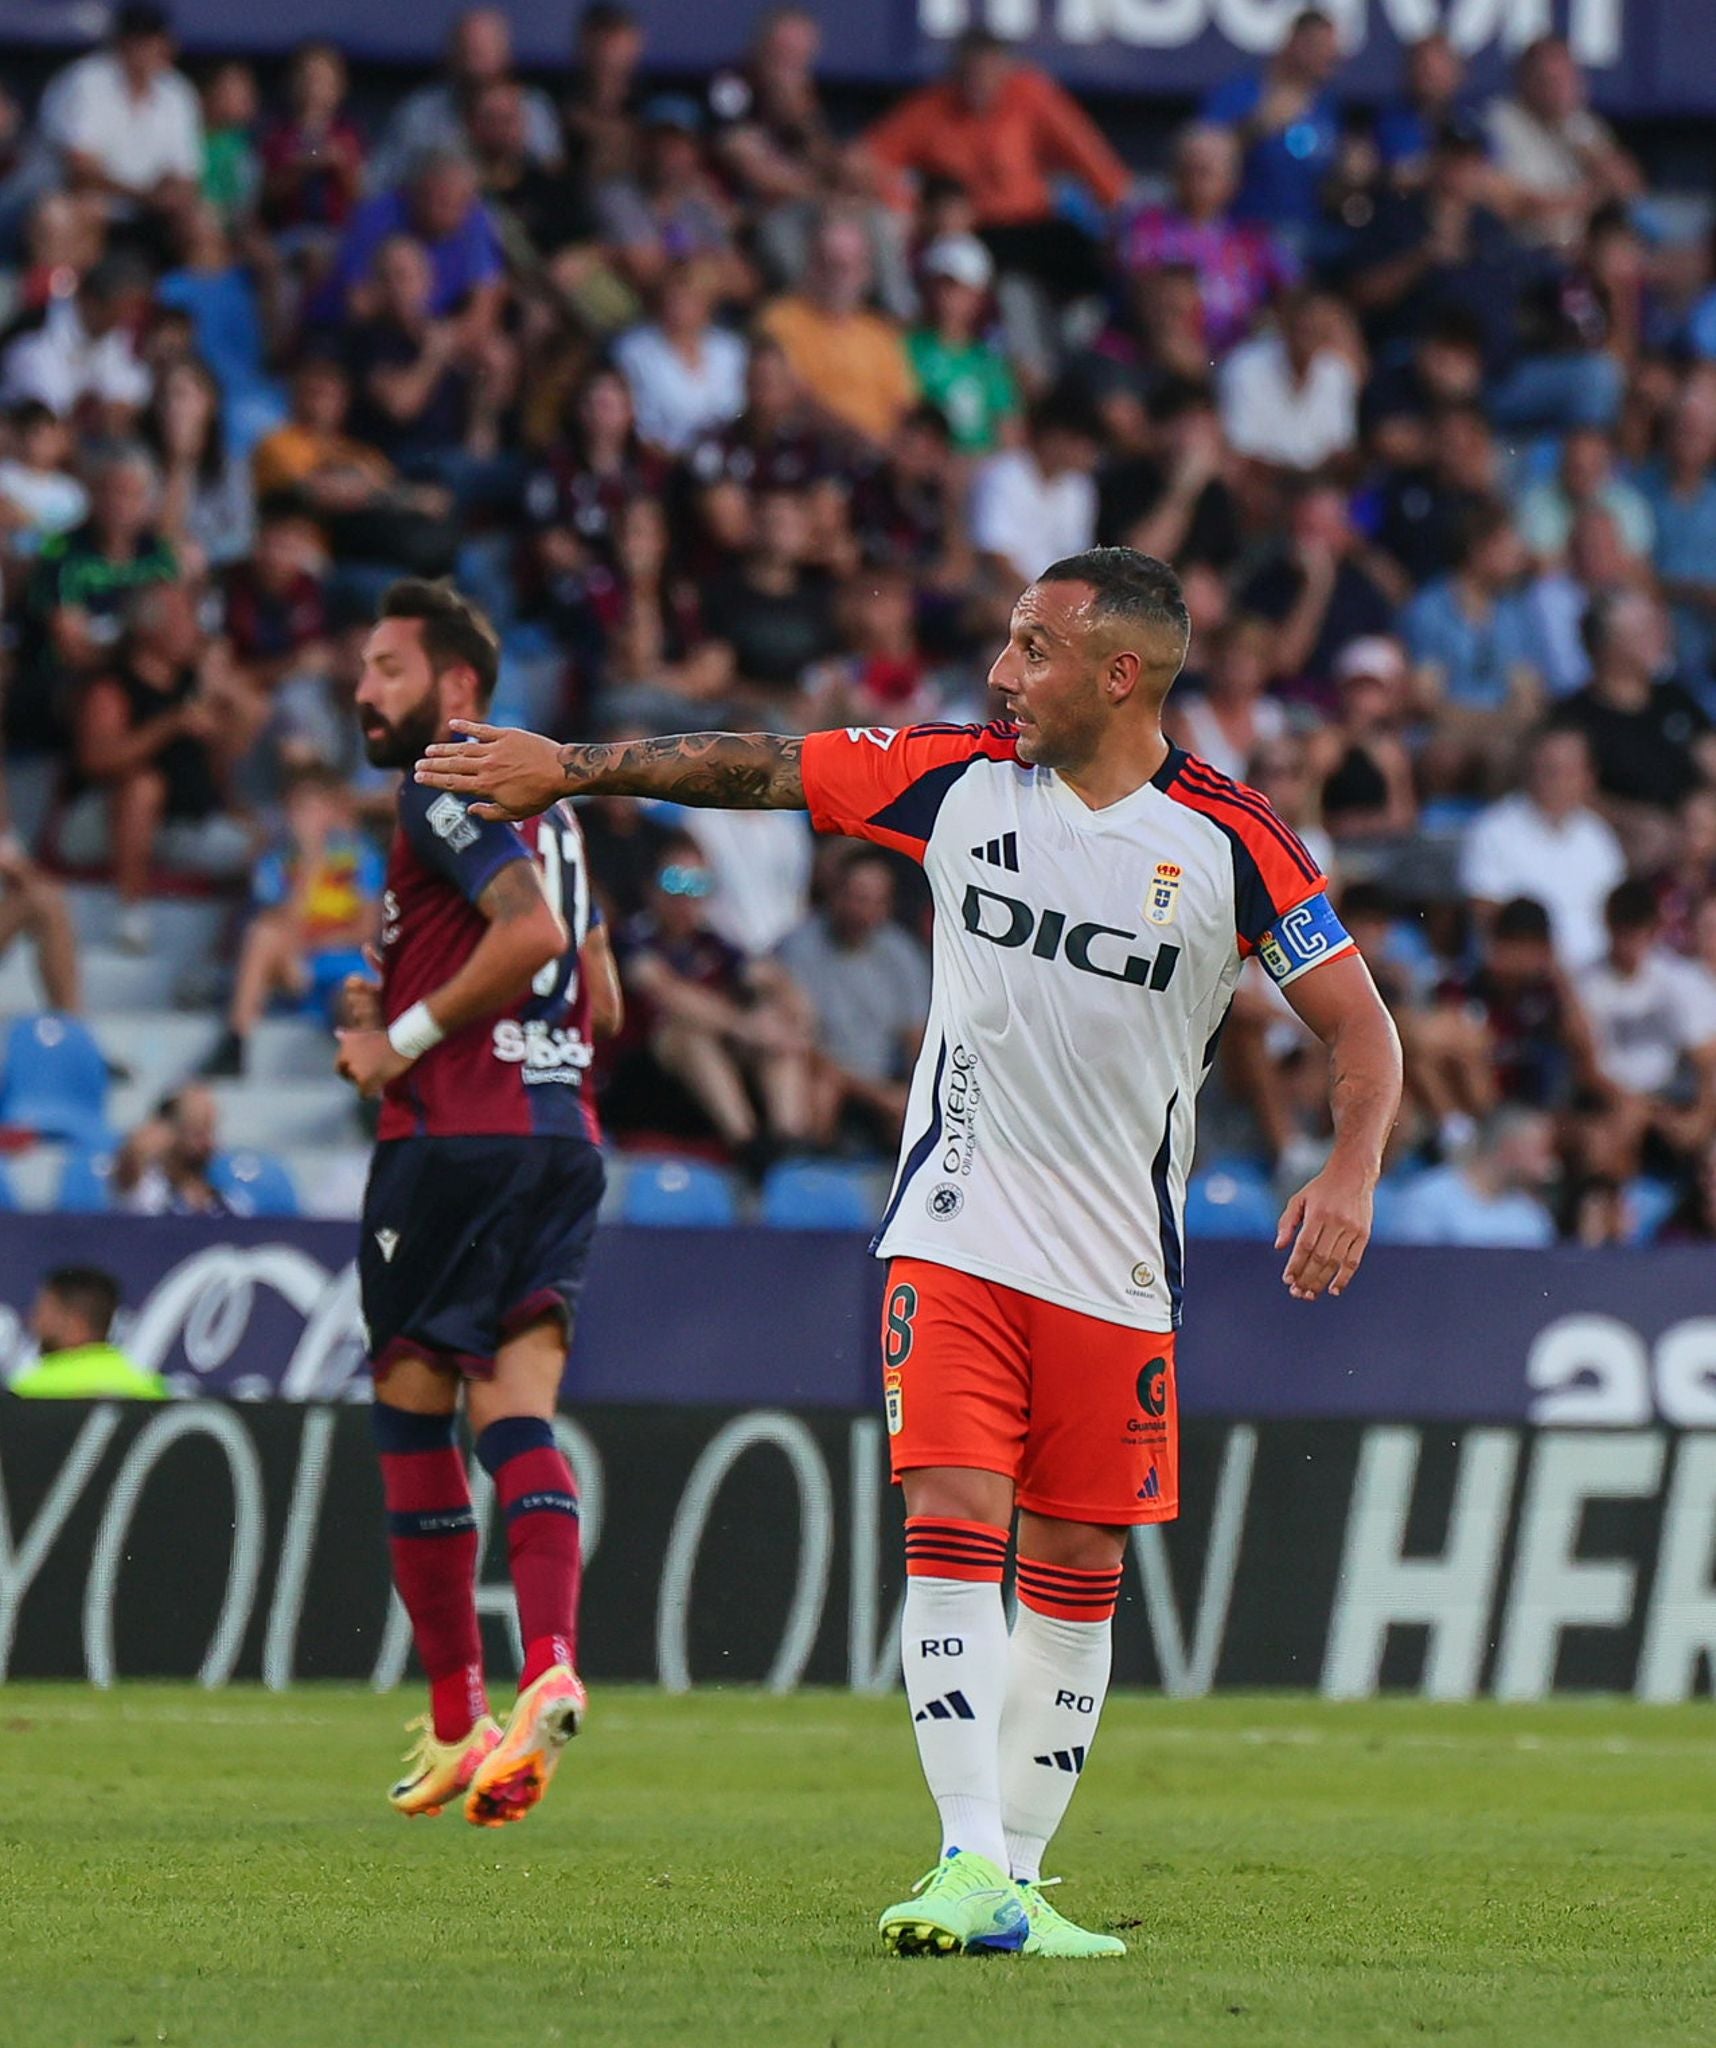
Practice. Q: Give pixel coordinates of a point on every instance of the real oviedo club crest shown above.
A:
(1162, 899)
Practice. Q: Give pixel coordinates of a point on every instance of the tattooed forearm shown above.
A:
(737, 771)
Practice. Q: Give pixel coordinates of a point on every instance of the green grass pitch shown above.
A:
(182, 1869)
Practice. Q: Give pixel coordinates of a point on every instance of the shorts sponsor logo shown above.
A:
(945, 1201)
(449, 820)
(1162, 901)
(1153, 1387)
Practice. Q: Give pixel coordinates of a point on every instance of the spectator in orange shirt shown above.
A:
(1003, 131)
(852, 363)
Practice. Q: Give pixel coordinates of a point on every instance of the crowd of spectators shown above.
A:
(738, 412)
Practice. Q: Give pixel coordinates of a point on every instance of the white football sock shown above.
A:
(1057, 1678)
(953, 1651)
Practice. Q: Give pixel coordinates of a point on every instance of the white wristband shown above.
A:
(414, 1032)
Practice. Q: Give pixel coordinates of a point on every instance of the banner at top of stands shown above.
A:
(1634, 50)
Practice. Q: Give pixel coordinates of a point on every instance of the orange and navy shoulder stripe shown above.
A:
(889, 786)
(1273, 867)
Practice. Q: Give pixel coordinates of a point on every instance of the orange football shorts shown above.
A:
(1079, 1413)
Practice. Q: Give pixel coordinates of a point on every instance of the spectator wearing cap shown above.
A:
(1239, 265)
(1033, 504)
(1287, 122)
(78, 355)
(1289, 398)
(670, 209)
(965, 379)
(687, 375)
(442, 208)
(1549, 842)
(1561, 162)
(436, 117)
(125, 125)
(1367, 786)
(850, 362)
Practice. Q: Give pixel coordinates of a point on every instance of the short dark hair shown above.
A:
(605, 17)
(456, 633)
(1521, 917)
(1128, 585)
(1368, 899)
(1631, 907)
(88, 1292)
(1477, 526)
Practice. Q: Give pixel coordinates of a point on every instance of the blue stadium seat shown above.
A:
(84, 1181)
(1391, 1212)
(55, 1080)
(801, 1194)
(678, 1194)
(254, 1184)
(1652, 1203)
(1231, 1201)
(8, 1193)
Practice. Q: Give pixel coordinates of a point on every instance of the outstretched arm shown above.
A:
(1330, 1216)
(518, 774)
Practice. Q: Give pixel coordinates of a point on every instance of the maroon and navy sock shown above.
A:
(432, 1535)
(539, 1501)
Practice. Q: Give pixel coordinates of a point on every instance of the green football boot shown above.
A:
(1053, 1934)
(964, 1906)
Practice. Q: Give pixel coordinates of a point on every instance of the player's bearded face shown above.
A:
(396, 741)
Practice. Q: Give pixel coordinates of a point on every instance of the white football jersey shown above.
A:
(1084, 962)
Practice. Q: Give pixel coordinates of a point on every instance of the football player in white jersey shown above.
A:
(1097, 893)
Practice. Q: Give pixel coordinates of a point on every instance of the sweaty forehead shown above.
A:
(1060, 609)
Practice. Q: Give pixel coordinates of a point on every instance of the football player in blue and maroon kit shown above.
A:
(496, 978)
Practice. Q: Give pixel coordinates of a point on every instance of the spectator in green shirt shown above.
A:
(71, 1321)
(957, 372)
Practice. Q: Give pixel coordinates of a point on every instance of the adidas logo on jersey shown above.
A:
(953, 1706)
(999, 853)
(1063, 1760)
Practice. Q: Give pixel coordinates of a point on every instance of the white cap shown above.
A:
(961, 257)
(1373, 655)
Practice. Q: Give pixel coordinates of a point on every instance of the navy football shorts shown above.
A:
(467, 1241)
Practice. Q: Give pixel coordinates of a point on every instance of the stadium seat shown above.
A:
(8, 1194)
(84, 1181)
(55, 1080)
(254, 1184)
(678, 1194)
(1651, 1203)
(801, 1194)
(1231, 1201)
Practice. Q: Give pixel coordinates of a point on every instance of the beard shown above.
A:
(400, 744)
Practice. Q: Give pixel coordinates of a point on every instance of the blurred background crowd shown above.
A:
(738, 407)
